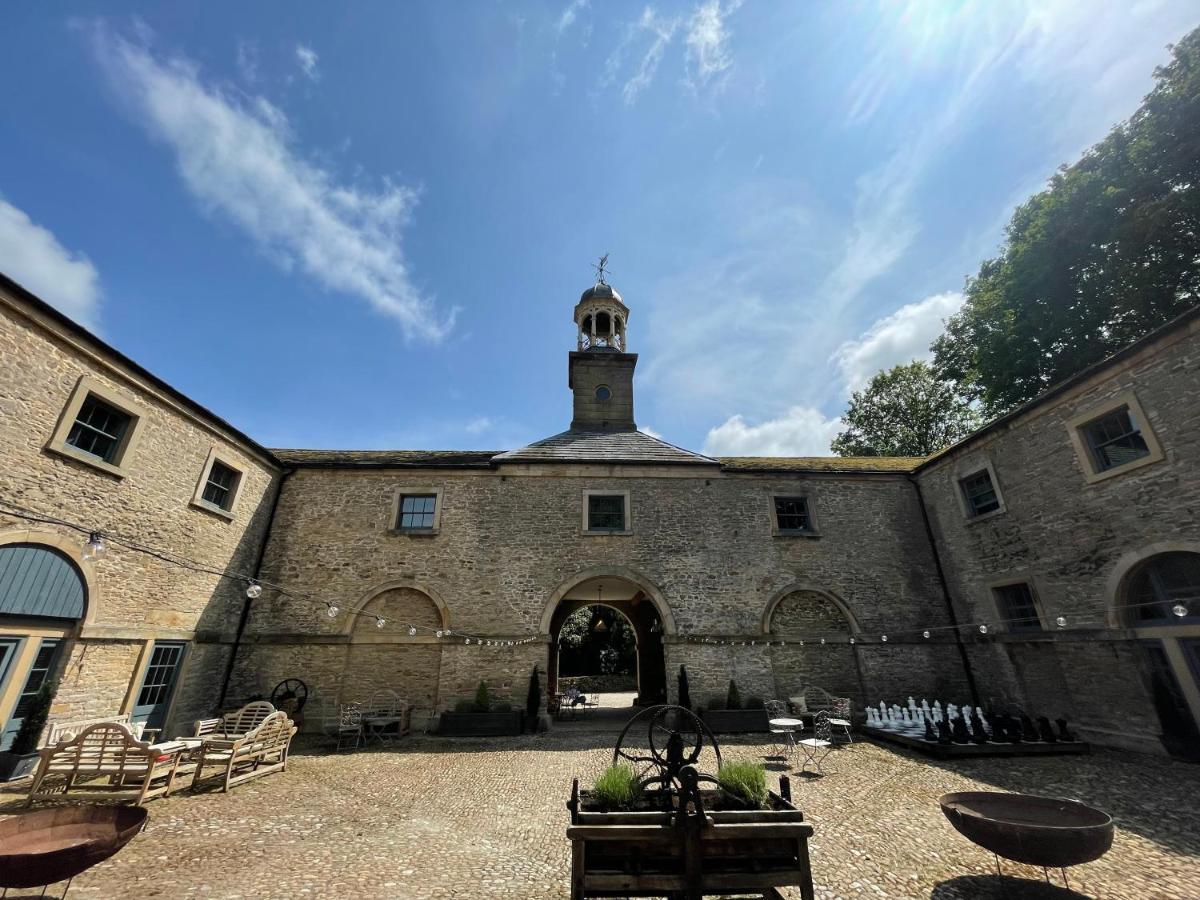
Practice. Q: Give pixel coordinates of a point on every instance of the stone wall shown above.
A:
(1073, 541)
(133, 598)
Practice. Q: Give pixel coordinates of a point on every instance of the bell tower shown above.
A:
(600, 370)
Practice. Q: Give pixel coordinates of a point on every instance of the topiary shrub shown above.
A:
(533, 699)
(746, 782)
(26, 738)
(617, 788)
(464, 706)
(733, 700)
(715, 702)
(685, 696)
(483, 700)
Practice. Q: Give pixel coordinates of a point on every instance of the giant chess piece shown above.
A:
(929, 735)
(978, 732)
(961, 735)
(1028, 732)
(944, 736)
(1045, 731)
(1006, 729)
(1062, 731)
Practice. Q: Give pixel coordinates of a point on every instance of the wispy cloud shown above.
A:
(569, 14)
(708, 55)
(32, 256)
(307, 58)
(479, 425)
(903, 336)
(238, 157)
(246, 60)
(648, 37)
(801, 431)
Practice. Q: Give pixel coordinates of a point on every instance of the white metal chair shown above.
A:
(343, 723)
(783, 736)
(820, 743)
(842, 717)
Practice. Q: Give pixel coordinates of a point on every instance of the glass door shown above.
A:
(158, 684)
(43, 663)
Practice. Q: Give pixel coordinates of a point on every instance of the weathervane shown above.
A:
(600, 267)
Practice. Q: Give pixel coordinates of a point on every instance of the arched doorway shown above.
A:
(43, 597)
(1159, 599)
(826, 656)
(607, 597)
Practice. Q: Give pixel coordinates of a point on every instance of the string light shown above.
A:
(95, 547)
(1180, 610)
(884, 638)
(852, 640)
(331, 610)
(983, 629)
(925, 634)
(380, 621)
(822, 642)
(412, 630)
(439, 633)
(1061, 621)
(253, 590)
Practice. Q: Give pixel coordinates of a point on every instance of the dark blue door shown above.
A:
(43, 663)
(158, 684)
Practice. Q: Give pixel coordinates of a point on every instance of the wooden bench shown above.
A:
(104, 762)
(258, 752)
(236, 723)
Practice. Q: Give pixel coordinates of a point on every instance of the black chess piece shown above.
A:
(1045, 731)
(978, 732)
(961, 735)
(1007, 729)
(943, 728)
(1063, 733)
(1028, 732)
(929, 735)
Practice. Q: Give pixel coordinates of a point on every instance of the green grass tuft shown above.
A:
(745, 781)
(617, 788)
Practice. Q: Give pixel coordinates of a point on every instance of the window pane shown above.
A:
(791, 513)
(980, 494)
(416, 510)
(1114, 440)
(1017, 607)
(219, 488)
(606, 512)
(98, 429)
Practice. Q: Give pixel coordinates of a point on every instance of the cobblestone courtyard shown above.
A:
(486, 818)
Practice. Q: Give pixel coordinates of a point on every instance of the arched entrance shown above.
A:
(636, 603)
(819, 627)
(1159, 598)
(43, 597)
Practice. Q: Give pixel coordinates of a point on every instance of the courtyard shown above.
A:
(436, 818)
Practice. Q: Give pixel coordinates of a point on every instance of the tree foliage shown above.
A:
(1109, 251)
(906, 411)
(587, 649)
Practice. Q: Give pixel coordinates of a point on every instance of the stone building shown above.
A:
(429, 571)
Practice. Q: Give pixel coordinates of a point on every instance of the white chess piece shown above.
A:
(937, 706)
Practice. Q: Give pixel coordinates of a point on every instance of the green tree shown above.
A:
(906, 411)
(1108, 252)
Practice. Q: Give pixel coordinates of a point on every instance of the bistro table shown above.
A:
(787, 726)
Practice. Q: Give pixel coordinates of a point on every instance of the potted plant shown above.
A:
(731, 716)
(481, 717)
(21, 757)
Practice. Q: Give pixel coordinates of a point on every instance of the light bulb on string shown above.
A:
(983, 629)
(925, 634)
(822, 642)
(1061, 621)
(253, 590)
(95, 547)
(884, 638)
(412, 630)
(438, 633)
(1180, 610)
(380, 621)
(331, 610)
(852, 640)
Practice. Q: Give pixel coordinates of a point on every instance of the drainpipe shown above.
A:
(245, 616)
(941, 573)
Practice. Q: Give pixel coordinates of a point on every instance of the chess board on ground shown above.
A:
(962, 751)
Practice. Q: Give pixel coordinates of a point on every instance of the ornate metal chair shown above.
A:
(820, 743)
(783, 736)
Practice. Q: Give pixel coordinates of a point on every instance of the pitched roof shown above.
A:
(605, 447)
(421, 459)
(792, 464)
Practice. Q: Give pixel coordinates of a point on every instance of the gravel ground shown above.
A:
(486, 817)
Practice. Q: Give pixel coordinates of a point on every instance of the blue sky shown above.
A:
(366, 226)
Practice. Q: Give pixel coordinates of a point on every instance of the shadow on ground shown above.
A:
(1001, 887)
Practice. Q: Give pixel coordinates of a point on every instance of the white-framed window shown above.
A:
(99, 427)
(219, 485)
(1114, 438)
(792, 515)
(979, 493)
(417, 510)
(606, 512)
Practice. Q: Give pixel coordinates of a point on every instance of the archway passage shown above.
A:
(617, 611)
(1161, 602)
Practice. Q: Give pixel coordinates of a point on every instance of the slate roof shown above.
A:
(420, 459)
(605, 447)
(857, 464)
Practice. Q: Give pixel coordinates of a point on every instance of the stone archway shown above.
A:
(826, 658)
(637, 600)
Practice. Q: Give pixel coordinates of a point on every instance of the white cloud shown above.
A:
(707, 41)
(32, 256)
(307, 58)
(570, 14)
(802, 431)
(237, 156)
(646, 429)
(903, 336)
(247, 60)
(649, 27)
(479, 425)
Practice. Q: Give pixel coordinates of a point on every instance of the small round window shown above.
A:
(603, 393)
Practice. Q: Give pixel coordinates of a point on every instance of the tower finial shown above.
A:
(600, 269)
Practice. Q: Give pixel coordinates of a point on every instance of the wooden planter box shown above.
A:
(474, 724)
(735, 721)
(644, 854)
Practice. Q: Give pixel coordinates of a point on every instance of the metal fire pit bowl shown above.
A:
(52, 845)
(1038, 831)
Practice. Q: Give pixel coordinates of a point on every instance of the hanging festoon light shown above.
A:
(438, 633)
(253, 590)
(1061, 621)
(852, 640)
(95, 546)
(883, 638)
(925, 634)
(380, 621)
(983, 629)
(412, 630)
(331, 610)
(1180, 610)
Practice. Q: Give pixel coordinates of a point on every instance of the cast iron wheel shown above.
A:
(290, 689)
(676, 737)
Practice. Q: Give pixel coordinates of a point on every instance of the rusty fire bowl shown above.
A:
(1038, 831)
(51, 845)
